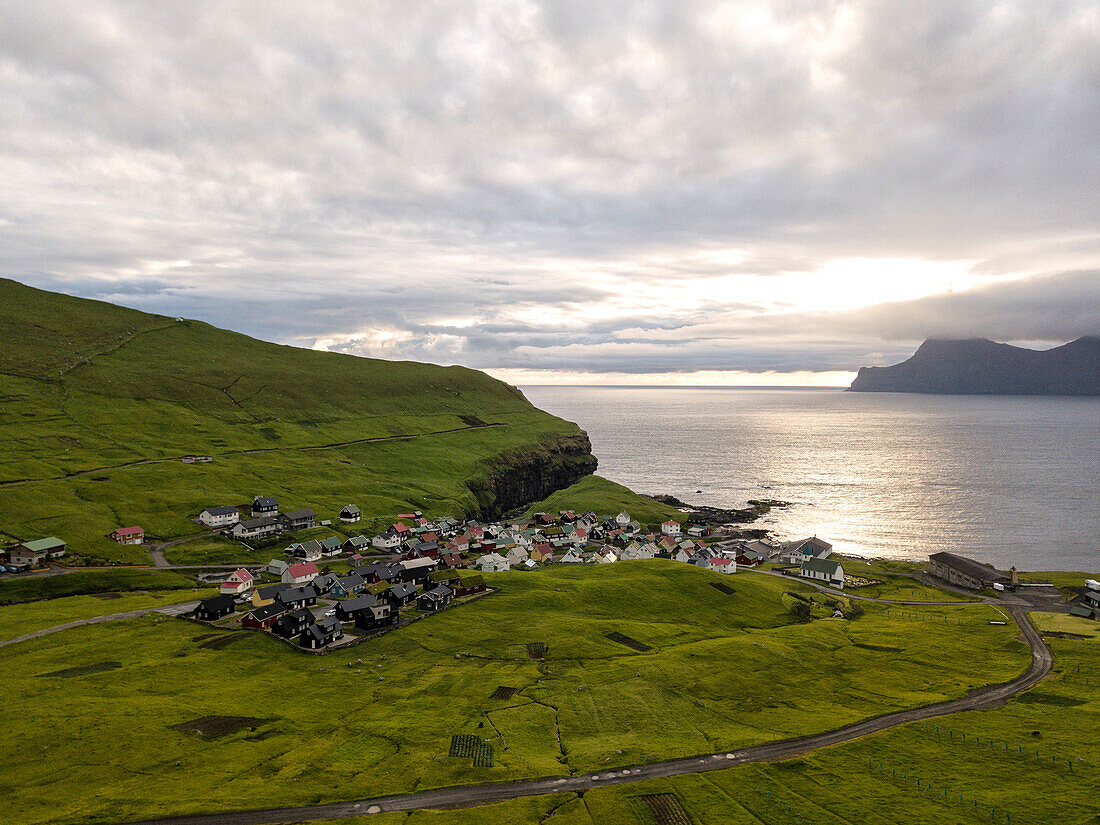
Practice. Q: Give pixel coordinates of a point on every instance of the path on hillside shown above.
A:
(473, 795)
(156, 554)
(334, 445)
(166, 609)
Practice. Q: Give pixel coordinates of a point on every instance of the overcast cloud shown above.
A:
(564, 188)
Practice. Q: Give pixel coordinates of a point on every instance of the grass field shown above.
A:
(597, 494)
(724, 670)
(990, 763)
(20, 619)
(34, 588)
(119, 396)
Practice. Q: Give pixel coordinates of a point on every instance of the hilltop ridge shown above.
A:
(101, 402)
(982, 367)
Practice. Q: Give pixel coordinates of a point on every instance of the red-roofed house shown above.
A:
(128, 535)
(238, 582)
(722, 565)
(300, 573)
(400, 528)
(670, 528)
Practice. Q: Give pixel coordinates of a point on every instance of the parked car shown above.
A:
(329, 613)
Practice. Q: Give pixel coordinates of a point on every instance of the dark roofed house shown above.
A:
(299, 520)
(256, 528)
(261, 618)
(357, 544)
(372, 618)
(324, 583)
(968, 573)
(435, 599)
(291, 624)
(332, 546)
(295, 597)
(350, 514)
(401, 594)
(215, 607)
(264, 506)
(216, 517)
(322, 633)
(346, 610)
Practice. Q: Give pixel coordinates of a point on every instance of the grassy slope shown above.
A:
(35, 588)
(91, 387)
(725, 670)
(20, 619)
(845, 784)
(605, 498)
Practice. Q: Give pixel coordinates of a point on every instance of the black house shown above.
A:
(435, 599)
(400, 594)
(215, 607)
(322, 633)
(292, 624)
(298, 520)
(346, 609)
(372, 618)
(264, 506)
(295, 597)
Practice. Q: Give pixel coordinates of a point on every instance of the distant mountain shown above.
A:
(982, 367)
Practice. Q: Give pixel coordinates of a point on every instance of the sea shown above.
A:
(1007, 480)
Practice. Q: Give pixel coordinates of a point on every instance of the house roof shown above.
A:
(303, 568)
(265, 501)
(300, 514)
(331, 542)
(828, 566)
(721, 561)
(811, 546)
(41, 545)
(220, 511)
(351, 580)
(358, 541)
(270, 591)
(242, 574)
(218, 602)
(359, 603)
(255, 523)
(403, 589)
(268, 611)
(297, 594)
(351, 509)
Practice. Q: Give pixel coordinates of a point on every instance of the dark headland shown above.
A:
(982, 367)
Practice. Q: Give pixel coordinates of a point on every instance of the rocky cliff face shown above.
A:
(518, 478)
(982, 367)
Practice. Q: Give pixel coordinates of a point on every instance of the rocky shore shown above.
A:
(716, 516)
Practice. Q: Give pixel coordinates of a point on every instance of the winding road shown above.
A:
(468, 796)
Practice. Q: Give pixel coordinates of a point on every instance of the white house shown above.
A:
(390, 540)
(276, 567)
(493, 563)
(605, 555)
(825, 571)
(681, 555)
(300, 573)
(217, 517)
(670, 528)
(517, 555)
(239, 581)
(623, 519)
(573, 556)
(720, 564)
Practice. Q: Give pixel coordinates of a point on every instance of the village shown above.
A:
(333, 591)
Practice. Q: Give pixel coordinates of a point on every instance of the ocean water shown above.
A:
(1009, 480)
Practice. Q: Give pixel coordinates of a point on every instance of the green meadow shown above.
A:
(79, 582)
(722, 670)
(100, 403)
(1032, 761)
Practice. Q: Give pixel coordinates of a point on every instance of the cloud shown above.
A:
(665, 187)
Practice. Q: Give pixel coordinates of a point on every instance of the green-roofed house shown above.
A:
(38, 551)
(1082, 610)
(826, 571)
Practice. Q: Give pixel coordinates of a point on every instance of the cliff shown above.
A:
(983, 367)
(521, 477)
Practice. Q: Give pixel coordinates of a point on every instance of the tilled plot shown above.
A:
(725, 588)
(212, 727)
(633, 644)
(536, 650)
(470, 746)
(503, 692)
(665, 808)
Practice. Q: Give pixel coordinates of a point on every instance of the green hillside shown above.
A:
(705, 670)
(100, 403)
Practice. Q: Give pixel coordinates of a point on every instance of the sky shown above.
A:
(565, 192)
